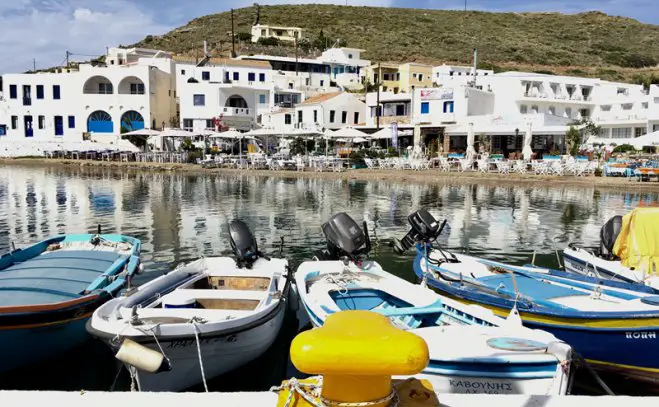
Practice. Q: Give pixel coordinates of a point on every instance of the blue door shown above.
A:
(100, 122)
(27, 121)
(59, 126)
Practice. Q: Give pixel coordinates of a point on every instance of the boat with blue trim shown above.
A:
(628, 250)
(614, 325)
(471, 349)
(50, 289)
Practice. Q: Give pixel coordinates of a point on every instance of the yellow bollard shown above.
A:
(357, 352)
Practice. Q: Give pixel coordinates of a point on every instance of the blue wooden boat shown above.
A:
(49, 290)
(613, 324)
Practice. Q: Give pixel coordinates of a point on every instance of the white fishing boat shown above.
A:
(471, 349)
(200, 320)
(628, 250)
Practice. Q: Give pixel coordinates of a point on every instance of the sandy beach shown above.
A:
(432, 176)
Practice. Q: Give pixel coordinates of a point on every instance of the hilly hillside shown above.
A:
(582, 44)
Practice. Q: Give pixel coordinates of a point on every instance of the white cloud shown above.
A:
(46, 30)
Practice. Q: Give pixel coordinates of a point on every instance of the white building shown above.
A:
(132, 93)
(319, 113)
(289, 34)
(237, 92)
(346, 66)
(453, 75)
(310, 76)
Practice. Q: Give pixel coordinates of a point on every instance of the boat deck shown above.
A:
(53, 276)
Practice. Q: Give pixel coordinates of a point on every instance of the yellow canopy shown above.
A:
(637, 244)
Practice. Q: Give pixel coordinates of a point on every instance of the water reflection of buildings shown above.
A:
(179, 217)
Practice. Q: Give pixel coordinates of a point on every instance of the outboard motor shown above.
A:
(344, 239)
(243, 244)
(608, 236)
(424, 228)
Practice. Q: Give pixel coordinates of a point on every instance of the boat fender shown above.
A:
(141, 357)
(140, 268)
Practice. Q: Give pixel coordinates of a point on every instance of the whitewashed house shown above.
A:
(133, 91)
(310, 76)
(237, 92)
(288, 34)
(453, 75)
(319, 113)
(346, 66)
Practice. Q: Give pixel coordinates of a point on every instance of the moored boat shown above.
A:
(612, 324)
(628, 250)
(50, 289)
(471, 349)
(199, 321)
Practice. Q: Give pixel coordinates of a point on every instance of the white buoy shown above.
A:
(143, 358)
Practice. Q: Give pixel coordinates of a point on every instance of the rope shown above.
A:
(311, 393)
(194, 322)
(592, 372)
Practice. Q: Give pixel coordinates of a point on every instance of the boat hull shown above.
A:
(619, 348)
(220, 354)
(24, 346)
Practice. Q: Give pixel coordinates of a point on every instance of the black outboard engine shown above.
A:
(345, 239)
(608, 236)
(243, 244)
(424, 228)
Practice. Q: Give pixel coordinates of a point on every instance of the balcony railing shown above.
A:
(549, 96)
(237, 111)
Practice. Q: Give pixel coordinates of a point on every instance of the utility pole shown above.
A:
(233, 36)
(297, 57)
(67, 58)
(34, 64)
(377, 107)
(465, 5)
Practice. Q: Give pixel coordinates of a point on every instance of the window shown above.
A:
(279, 33)
(622, 91)
(332, 115)
(14, 122)
(251, 77)
(3, 130)
(27, 95)
(205, 76)
(262, 99)
(644, 105)
(136, 88)
(448, 107)
(105, 88)
(584, 112)
(187, 124)
(210, 124)
(322, 83)
(356, 118)
(41, 122)
(640, 131)
(307, 82)
(568, 112)
(72, 122)
(523, 109)
(13, 92)
(299, 116)
(261, 77)
(182, 71)
(605, 108)
(344, 117)
(552, 110)
(425, 107)
(349, 56)
(534, 109)
(236, 76)
(59, 126)
(287, 119)
(263, 33)
(621, 132)
(315, 116)
(199, 100)
(39, 91)
(627, 106)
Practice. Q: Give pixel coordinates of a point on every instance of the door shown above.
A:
(59, 126)
(27, 121)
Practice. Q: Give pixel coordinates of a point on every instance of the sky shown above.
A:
(39, 32)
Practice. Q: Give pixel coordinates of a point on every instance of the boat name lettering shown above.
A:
(641, 335)
(189, 342)
(481, 387)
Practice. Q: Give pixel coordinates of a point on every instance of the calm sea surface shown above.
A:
(180, 217)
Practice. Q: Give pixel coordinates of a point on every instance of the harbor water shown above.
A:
(181, 217)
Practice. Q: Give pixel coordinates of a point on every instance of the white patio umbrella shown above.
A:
(143, 132)
(471, 152)
(527, 151)
(359, 140)
(348, 133)
(176, 133)
(650, 139)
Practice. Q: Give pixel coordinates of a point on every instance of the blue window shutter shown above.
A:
(425, 107)
(261, 77)
(39, 91)
(236, 76)
(56, 92)
(72, 122)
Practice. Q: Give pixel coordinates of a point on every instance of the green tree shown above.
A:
(573, 139)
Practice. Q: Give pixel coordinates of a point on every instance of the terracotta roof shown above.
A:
(320, 98)
(227, 61)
